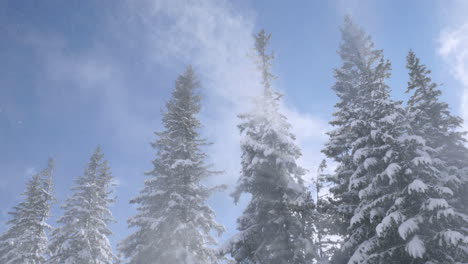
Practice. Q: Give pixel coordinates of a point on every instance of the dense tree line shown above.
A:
(399, 193)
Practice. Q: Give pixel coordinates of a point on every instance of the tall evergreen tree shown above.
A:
(424, 225)
(83, 234)
(25, 241)
(356, 52)
(363, 142)
(174, 224)
(431, 119)
(275, 226)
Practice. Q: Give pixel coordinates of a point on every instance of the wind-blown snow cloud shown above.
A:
(216, 38)
(132, 40)
(213, 36)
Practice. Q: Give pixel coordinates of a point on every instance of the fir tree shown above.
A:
(363, 143)
(25, 241)
(174, 224)
(354, 52)
(424, 224)
(431, 119)
(276, 225)
(83, 234)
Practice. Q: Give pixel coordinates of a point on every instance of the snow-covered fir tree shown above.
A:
(363, 143)
(431, 119)
(424, 225)
(276, 225)
(174, 225)
(83, 233)
(354, 52)
(25, 241)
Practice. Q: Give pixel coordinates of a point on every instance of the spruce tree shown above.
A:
(174, 224)
(355, 52)
(431, 119)
(83, 234)
(25, 241)
(276, 225)
(363, 143)
(424, 223)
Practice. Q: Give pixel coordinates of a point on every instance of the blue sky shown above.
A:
(77, 74)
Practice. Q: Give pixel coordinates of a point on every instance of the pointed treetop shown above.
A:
(98, 149)
(189, 70)
(262, 40)
(348, 22)
(186, 81)
(82, 234)
(264, 60)
(174, 224)
(46, 175)
(50, 163)
(97, 154)
(188, 75)
(351, 28)
(48, 171)
(418, 73)
(357, 45)
(25, 241)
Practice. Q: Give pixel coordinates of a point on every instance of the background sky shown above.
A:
(75, 74)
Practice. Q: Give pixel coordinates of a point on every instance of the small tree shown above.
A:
(83, 234)
(25, 241)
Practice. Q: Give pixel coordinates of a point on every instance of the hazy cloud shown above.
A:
(216, 38)
(94, 73)
(453, 48)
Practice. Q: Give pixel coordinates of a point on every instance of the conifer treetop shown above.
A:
(82, 236)
(173, 223)
(25, 241)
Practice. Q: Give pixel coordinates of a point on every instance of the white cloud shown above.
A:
(453, 48)
(310, 132)
(95, 73)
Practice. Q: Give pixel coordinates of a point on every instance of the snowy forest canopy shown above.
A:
(399, 193)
